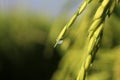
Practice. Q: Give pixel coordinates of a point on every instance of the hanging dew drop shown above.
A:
(60, 42)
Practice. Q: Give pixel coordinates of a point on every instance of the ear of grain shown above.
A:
(94, 36)
(94, 33)
(71, 21)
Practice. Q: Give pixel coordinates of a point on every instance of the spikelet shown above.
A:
(71, 21)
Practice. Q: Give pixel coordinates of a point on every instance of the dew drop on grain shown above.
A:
(60, 41)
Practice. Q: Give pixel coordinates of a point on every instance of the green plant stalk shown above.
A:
(95, 35)
(71, 21)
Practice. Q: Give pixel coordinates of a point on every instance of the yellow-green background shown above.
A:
(27, 40)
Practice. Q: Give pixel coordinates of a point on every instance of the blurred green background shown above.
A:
(28, 30)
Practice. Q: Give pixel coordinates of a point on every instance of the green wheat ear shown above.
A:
(71, 21)
(95, 35)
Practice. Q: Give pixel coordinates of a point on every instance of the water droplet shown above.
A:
(60, 41)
